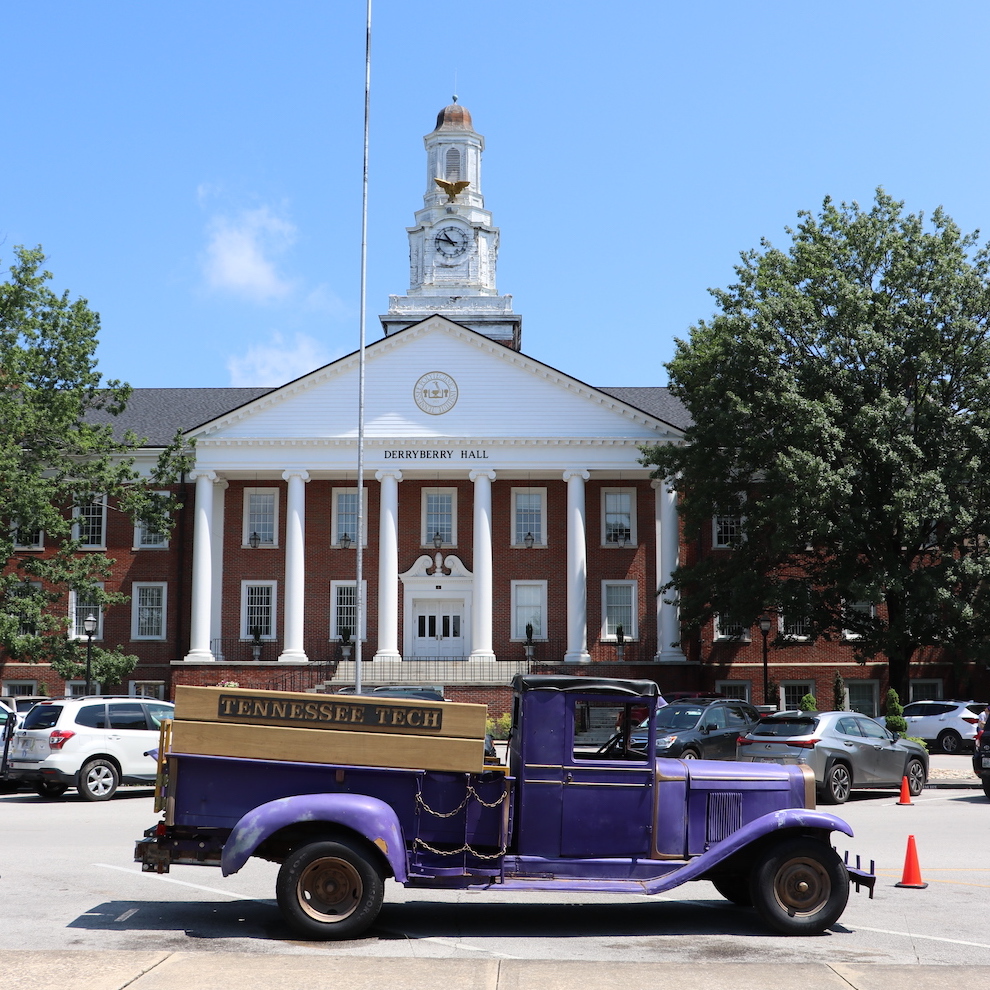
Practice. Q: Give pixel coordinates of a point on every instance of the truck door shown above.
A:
(607, 802)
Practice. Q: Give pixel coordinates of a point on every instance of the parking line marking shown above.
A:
(930, 938)
(185, 883)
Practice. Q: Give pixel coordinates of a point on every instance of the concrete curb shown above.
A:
(328, 969)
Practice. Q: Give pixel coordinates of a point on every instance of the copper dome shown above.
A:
(454, 116)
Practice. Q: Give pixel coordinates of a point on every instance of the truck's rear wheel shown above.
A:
(800, 886)
(329, 890)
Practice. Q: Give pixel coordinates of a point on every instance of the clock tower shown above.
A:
(453, 246)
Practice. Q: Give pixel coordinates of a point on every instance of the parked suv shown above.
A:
(702, 728)
(91, 743)
(950, 724)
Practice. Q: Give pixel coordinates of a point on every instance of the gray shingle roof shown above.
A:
(655, 400)
(157, 413)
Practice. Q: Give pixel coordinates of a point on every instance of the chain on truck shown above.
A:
(345, 791)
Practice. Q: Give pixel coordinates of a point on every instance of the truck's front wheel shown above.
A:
(329, 890)
(800, 887)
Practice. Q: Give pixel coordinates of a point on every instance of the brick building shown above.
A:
(499, 494)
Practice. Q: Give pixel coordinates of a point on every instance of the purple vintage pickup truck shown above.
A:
(563, 815)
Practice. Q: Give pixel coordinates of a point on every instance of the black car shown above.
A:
(699, 728)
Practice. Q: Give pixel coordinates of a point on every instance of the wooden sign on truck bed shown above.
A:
(324, 728)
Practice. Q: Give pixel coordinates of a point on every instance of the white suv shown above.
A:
(91, 743)
(950, 724)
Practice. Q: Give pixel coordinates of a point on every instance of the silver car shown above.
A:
(845, 750)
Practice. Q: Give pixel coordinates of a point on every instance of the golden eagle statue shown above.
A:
(452, 188)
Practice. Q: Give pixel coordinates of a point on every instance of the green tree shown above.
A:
(838, 693)
(894, 713)
(59, 449)
(840, 399)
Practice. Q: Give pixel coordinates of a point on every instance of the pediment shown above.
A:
(496, 393)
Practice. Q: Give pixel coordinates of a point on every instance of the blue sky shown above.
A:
(193, 168)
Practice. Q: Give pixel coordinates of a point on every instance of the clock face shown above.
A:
(451, 242)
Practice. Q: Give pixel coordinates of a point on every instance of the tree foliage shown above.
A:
(841, 405)
(58, 450)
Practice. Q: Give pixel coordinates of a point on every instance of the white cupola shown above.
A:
(453, 247)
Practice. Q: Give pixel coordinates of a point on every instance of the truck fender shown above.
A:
(368, 816)
(776, 821)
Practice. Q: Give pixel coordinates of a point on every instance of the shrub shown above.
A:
(894, 711)
(808, 703)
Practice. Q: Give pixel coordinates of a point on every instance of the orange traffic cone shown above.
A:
(905, 792)
(912, 872)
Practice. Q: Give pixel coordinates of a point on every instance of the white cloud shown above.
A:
(240, 255)
(278, 361)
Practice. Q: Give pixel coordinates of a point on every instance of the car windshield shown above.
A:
(785, 727)
(677, 717)
(42, 717)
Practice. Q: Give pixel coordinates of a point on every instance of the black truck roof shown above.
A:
(587, 685)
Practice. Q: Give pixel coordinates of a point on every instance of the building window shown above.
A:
(345, 516)
(148, 689)
(733, 689)
(529, 509)
(258, 609)
(261, 516)
(90, 523)
(619, 609)
(793, 691)
(28, 539)
(857, 616)
(22, 590)
(529, 607)
(18, 689)
(618, 517)
(148, 610)
(862, 697)
(147, 538)
(440, 516)
(795, 622)
(81, 605)
(728, 627)
(926, 690)
(343, 609)
(727, 531)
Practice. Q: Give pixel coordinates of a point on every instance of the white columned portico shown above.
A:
(481, 595)
(388, 566)
(668, 557)
(577, 568)
(202, 568)
(293, 650)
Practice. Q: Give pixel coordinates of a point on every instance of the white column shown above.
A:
(202, 569)
(668, 555)
(388, 565)
(577, 569)
(481, 595)
(216, 577)
(293, 612)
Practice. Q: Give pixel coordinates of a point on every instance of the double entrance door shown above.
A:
(438, 627)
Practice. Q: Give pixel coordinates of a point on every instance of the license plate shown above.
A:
(986, 762)
(766, 759)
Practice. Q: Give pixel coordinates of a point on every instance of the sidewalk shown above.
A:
(326, 970)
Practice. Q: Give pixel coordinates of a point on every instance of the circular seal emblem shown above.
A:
(435, 393)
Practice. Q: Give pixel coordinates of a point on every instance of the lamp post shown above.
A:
(529, 540)
(437, 540)
(89, 627)
(254, 541)
(344, 541)
(765, 631)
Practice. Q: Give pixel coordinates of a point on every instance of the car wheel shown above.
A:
(986, 786)
(98, 780)
(800, 886)
(949, 741)
(329, 890)
(916, 777)
(838, 784)
(48, 789)
(735, 889)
